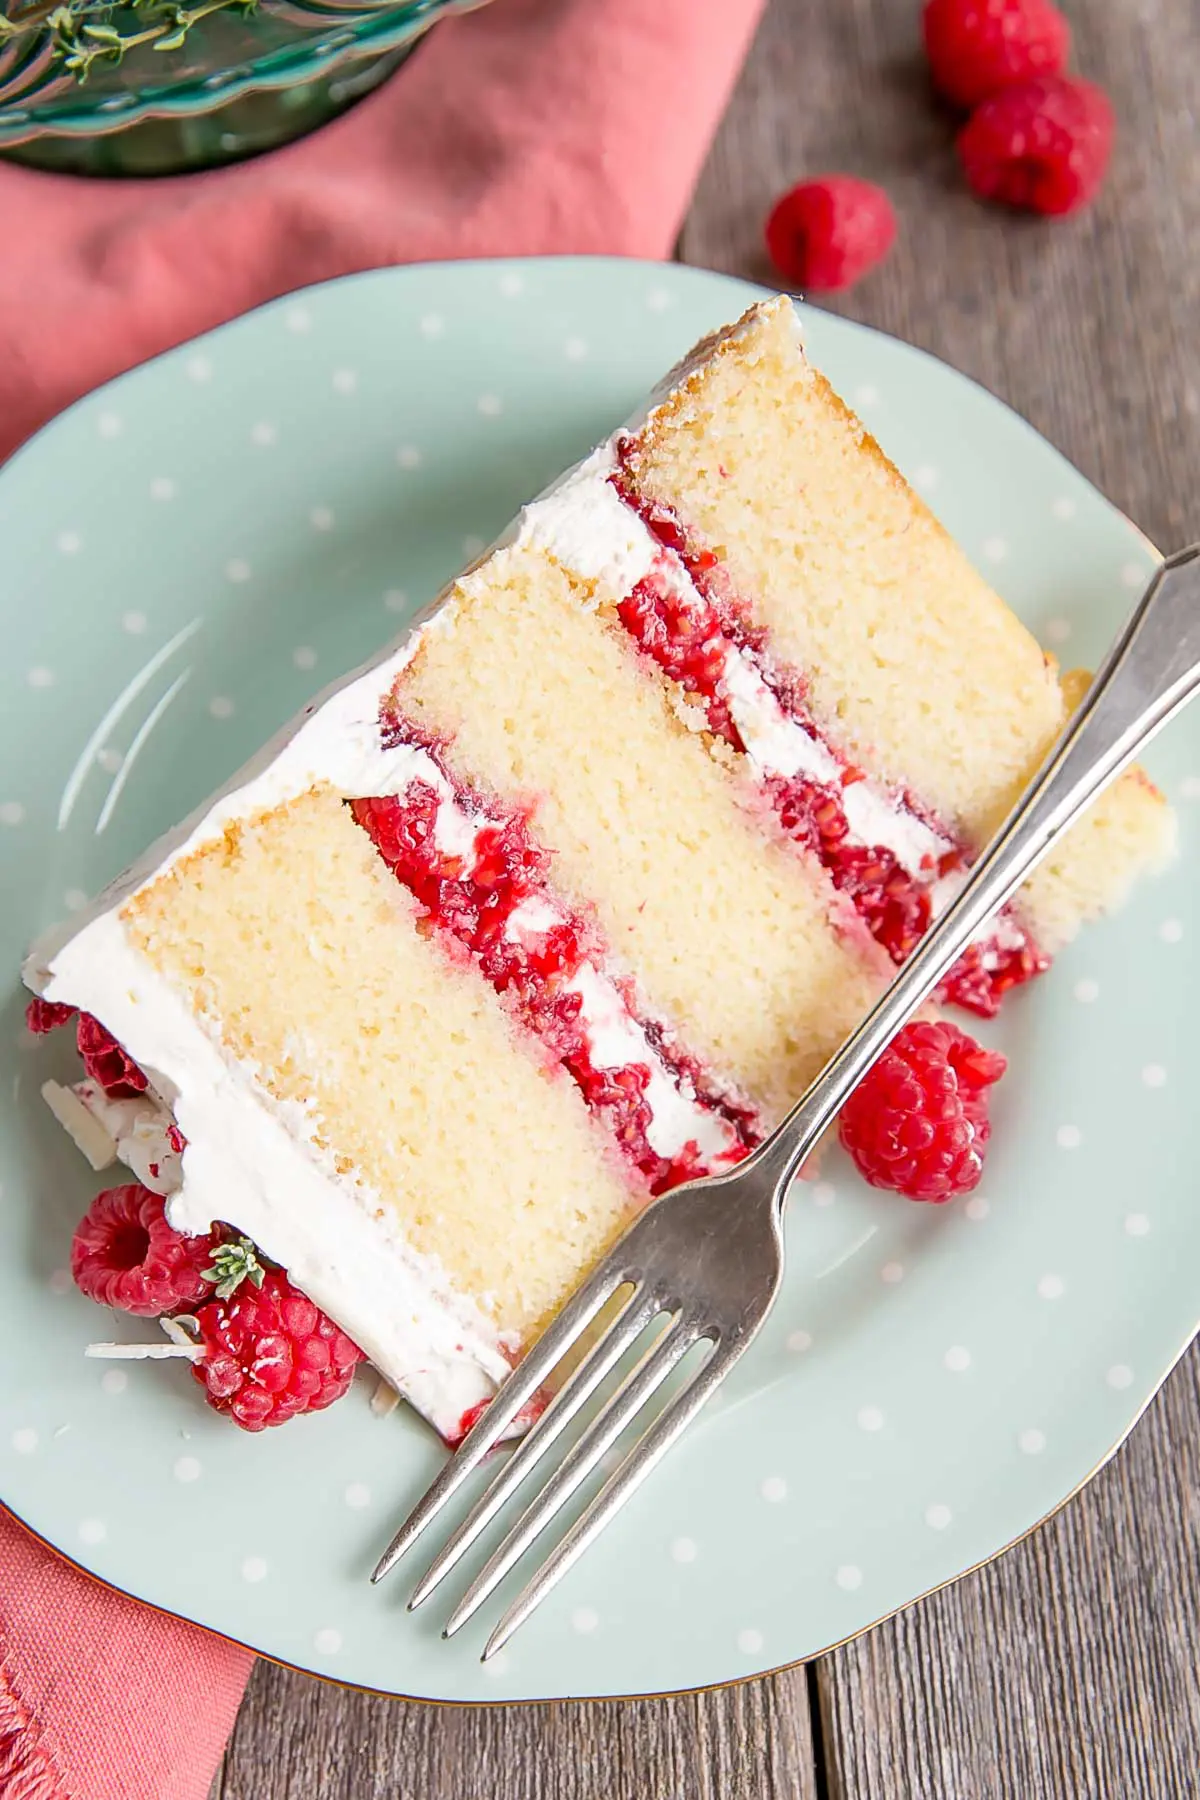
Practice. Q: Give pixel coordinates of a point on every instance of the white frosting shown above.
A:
(585, 525)
(777, 744)
(616, 1038)
(253, 1163)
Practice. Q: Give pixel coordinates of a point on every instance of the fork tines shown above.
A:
(645, 1301)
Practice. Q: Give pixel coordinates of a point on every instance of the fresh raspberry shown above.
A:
(825, 234)
(271, 1354)
(977, 47)
(42, 1016)
(1044, 145)
(918, 1121)
(106, 1061)
(125, 1254)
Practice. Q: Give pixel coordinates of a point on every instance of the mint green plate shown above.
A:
(186, 555)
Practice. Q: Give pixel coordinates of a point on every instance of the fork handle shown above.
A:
(1151, 671)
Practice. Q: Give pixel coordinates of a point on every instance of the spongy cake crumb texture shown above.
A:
(406, 1063)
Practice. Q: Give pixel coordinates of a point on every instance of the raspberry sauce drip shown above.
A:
(475, 898)
(690, 639)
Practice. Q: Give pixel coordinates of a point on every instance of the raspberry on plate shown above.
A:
(108, 1062)
(827, 233)
(42, 1016)
(1044, 145)
(270, 1354)
(918, 1121)
(977, 47)
(125, 1254)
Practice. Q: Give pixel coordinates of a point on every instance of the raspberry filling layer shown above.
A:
(483, 881)
(898, 866)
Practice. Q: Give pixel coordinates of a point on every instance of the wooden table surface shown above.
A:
(1067, 1668)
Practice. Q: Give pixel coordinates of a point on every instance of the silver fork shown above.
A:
(710, 1253)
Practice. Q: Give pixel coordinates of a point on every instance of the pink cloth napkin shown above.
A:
(102, 1699)
(533, 126)
(530, 127)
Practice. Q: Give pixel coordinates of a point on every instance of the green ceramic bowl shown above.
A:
(246, 78)
(190, 553)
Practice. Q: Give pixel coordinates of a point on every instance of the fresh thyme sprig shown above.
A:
(83, 32)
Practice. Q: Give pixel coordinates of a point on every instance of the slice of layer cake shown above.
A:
(569, 896)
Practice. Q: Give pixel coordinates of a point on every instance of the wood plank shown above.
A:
(297, 1738)
(1067, 1667)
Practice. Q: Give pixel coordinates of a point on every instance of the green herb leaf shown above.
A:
(232, 1264)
